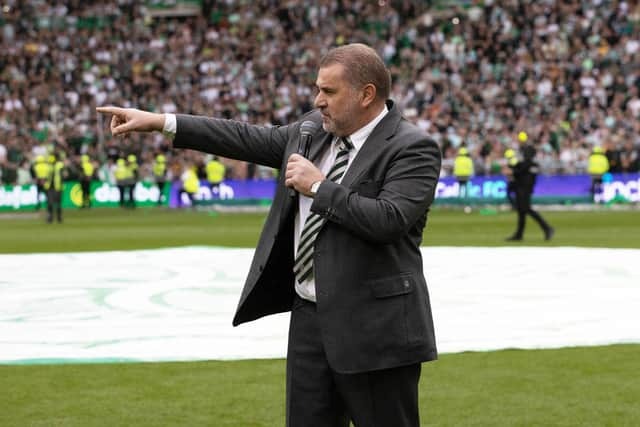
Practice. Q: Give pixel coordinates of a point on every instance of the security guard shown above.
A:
(215, 174)
(598, 165)
(132, 164)
(160, 175)
(524, 174)
(510, 162)
(462, 170)
(88, 171)
(123, 180)
(40, 173)
(54, 185)
(190, 184)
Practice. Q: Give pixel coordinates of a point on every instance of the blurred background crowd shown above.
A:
(472, 74)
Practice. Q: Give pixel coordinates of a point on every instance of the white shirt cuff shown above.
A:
(170, 125)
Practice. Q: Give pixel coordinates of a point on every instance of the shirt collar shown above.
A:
(359, 137)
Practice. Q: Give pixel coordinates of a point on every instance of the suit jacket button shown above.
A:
(406, 284)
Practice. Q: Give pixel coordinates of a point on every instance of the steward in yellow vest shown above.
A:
(598, 165)
(462, 170)
(40, 173)
(124, 178)
(132, 164)
(54, 185)
(160, 175)
(190, 184)
(88, 171)
(215, 174)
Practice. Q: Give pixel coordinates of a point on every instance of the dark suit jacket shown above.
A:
(372, 296)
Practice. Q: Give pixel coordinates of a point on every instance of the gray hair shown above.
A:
(362, 66)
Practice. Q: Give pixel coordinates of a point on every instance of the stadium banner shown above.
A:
(489, 189)
(25, 197)
(548, 189)
(227, 192)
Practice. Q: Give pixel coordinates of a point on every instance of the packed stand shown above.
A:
(565, 73)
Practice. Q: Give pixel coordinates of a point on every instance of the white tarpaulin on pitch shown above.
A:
(177, 304)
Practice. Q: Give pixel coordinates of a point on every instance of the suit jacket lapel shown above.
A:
(319, 144)
(369, 151)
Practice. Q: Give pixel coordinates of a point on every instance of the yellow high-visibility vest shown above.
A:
(159, 169)
(215, 172)
(88, 169)
(191, 182)
(122, 172)
(42, 170)
(55, 177)
(463, 166)
(598, 164)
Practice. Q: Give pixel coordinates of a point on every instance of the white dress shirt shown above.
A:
(170, 125)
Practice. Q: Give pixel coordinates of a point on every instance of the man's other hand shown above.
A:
(125, 120)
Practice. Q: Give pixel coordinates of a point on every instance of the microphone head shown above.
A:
(308, 128)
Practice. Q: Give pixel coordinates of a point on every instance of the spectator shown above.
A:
(565, 70)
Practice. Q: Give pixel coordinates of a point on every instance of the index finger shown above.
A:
(110, 110)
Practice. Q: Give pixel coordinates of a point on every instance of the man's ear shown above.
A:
(368, 95)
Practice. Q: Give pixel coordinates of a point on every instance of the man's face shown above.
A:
(338, 101)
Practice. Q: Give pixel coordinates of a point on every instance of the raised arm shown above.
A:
(257, 144)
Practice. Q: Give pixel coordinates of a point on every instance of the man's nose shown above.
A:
(319, 101)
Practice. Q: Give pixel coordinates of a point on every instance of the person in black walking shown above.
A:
(524, 175)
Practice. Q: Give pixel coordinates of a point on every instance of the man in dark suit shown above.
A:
(344, 256)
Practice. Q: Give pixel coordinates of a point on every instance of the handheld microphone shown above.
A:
(307, 129)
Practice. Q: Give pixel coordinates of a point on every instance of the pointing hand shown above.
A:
(125, 120)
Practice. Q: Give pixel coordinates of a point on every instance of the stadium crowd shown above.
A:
(565, 73)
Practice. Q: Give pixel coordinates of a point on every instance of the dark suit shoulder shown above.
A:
(407, 133)
(399, 128)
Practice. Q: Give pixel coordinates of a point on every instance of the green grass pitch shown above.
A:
(584, 386)
(115, 229)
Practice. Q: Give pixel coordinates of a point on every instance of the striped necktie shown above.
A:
(303, 264)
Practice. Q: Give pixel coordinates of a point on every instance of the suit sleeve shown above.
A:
(232, 139)
(405, 194)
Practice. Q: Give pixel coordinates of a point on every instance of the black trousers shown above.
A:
(160, 183)
(524, 208)
(85, 185)
(123, 190)
(41, 190)
(462, 188)
(596, 187)
(130, 190)
(54, 205)
(511, 194)
(317, 396)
